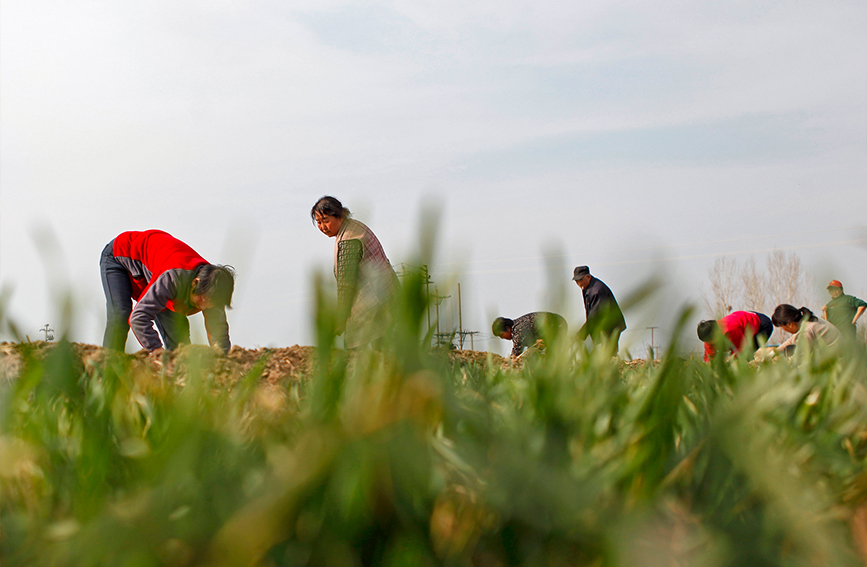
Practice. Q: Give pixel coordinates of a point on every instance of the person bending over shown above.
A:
(735, 327)
(527, 330)
(807, 329)
(168, 281)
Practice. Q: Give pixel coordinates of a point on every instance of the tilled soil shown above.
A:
(281, 365)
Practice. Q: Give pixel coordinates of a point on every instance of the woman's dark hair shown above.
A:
(706, 330)
(217, 283)
(330, 206)
(501, 325)
(785, 314)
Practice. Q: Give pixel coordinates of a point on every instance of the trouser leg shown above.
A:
(766, 329)
(118, 300)
(174, 328)
(615, 338)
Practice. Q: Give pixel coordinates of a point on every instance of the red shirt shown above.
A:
(735, 326)
(147, 254)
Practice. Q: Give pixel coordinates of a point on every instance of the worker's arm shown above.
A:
(858, 314)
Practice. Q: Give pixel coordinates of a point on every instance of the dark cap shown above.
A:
(580, 272)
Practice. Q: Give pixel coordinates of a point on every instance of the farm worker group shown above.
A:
(603, 318)
(168, 281)
(835, 330)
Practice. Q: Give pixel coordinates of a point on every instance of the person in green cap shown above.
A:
(843, 311)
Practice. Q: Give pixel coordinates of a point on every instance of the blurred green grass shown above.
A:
(406, 456)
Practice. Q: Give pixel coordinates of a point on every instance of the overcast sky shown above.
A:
(639, 138)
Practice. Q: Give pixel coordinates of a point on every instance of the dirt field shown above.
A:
(283, 365)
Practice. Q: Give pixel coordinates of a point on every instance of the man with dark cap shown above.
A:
(843, 311)
(604, 317)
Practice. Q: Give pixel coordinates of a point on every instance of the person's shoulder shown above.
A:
(352, 229)
(358, 225)
(176, 276)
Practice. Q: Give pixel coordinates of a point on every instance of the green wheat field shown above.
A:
(413, 456)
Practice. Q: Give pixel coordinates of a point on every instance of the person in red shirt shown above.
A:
(168, 281)
(735, 327)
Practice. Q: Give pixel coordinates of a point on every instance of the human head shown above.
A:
(329, 206)
(835, 288)
(706, 330)
(581, 276)
(502, 326)
(786, 314)
(216, 283)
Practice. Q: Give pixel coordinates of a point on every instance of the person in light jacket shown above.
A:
(807, 330)
(366, 282)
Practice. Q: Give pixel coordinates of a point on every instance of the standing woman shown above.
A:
(806, 328)
(366, 282)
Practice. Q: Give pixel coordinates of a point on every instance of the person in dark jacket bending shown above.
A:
(604, 317)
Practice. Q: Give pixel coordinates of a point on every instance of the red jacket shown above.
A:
(161, 269)
(734, 326)
(147, 254)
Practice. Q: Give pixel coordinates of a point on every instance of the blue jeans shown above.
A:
(173, 328)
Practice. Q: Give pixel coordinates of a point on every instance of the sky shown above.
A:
(644, 139)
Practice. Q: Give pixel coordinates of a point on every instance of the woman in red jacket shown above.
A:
(169, 281)
(735, 327)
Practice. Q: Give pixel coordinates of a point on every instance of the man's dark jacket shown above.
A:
(603, 314)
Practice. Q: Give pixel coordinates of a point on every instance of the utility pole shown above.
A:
(437, 300)
(461, 332)
(425, 274)
(49, 332)
(653, 347)
(460, 320)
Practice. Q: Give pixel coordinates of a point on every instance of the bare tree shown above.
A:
(752, 291)
(787, 283)
(723, 287)
(746, 287)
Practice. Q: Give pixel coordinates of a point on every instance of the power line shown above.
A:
(666, 259)
(689, 244)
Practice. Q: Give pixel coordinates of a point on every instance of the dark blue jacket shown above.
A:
(603, 314)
